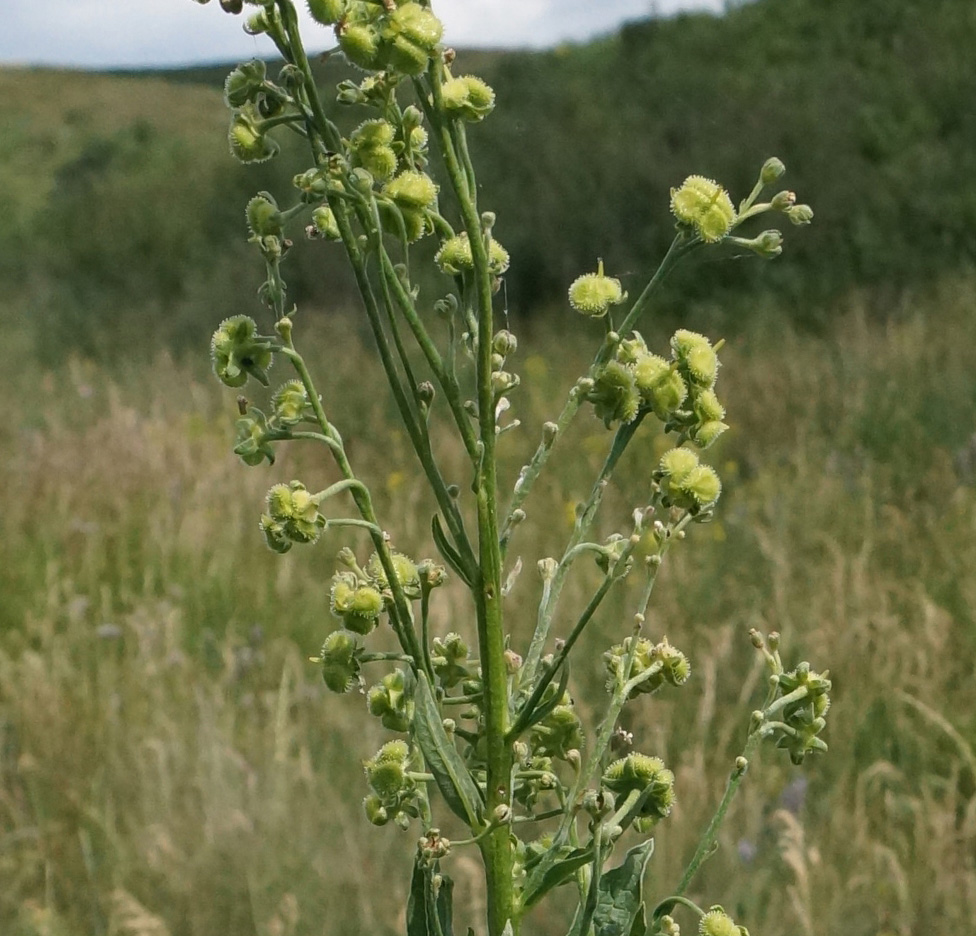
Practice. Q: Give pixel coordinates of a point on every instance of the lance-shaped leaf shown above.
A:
(453, 779)
(428, 915)
(451, 556)
(549, 875)
(619, 902)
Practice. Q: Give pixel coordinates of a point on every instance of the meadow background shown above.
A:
(170, 763)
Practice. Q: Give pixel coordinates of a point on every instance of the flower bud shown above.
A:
(547, 568)
(325, 224)
(340, 662)
(504, 343)
(800, 214)
(783, 200)
(259, 23)
(432, 574)
(772, 170)
(559, 732)
(593, 293)
(704, 206)
(237, 351)
(768, 245)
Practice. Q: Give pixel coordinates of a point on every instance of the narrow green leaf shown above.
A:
(543, 710)
(620, 901)
(425, 915)
(451, 556)
(459, 790)
(550, 875)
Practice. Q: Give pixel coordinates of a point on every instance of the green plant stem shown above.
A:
(496, 848)
(560, 658)
(710, 835)
(678, 248)
(447, 382)
(669, 903)
(311, 436)
(330, 135)
(402, 619)
(550, 598)
(418, 438)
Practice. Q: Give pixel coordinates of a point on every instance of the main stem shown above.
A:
(496, 848)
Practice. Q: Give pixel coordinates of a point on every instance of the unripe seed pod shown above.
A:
(704, 206)
(404, 568)
(467, 97)
(707, 406)
(360, 42)
(637, 772)
(701, 487)
(708, 432)
(717, 923)
(340, 667)
(593, 293)
(325, 223)
(375, 810)
(454, 256)
(244, 83)
(247, 142)
(677, 463)
(274, 535)
(237, 352)
(411, 189)
(418, 24)
(326, 12)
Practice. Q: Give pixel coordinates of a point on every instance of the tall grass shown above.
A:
(170, 764)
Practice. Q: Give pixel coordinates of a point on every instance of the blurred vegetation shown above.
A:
(170, 763)
(122, 206)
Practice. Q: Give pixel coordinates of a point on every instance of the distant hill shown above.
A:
(122, 206)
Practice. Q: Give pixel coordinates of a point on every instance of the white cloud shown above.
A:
(134, 33)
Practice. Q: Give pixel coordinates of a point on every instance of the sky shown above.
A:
(153, 33)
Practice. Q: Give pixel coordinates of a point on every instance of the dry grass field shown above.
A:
(171, 765)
